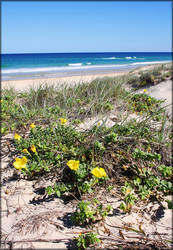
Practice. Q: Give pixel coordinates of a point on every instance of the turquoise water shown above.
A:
(23, 66)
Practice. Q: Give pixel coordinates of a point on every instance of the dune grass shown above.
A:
(48, 102)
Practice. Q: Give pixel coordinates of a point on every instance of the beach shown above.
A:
(59, 65)
(22, 85)
(161, 91)
(86, 125)
(32, 218)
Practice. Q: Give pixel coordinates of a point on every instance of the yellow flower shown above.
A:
(149, 99)
(33, 148)
(17, 137)
(73, 165)
(20, 163)
(25, 151)
(98, 172)
(125, 167)
(63, 121)
(145, 90)
(128, 190)
(32, 125)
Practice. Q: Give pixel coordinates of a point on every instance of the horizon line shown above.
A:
(87, 52)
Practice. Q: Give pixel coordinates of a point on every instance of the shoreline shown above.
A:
(70, 73)
(24, 84)
(59, 72)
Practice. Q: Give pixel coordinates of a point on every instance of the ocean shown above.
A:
(46, 65)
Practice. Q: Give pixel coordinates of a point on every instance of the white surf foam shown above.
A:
(49, 69)
(75, 64)
(77, 67)
(128, 57)
(109, 58)
(145, 63)
(29, 70)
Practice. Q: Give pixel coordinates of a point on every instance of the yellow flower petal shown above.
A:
(98, 172)
(33, 148)
(63, 121)
(125, 167)
(20, 163)
(17, 137)
(128, 190)
(25, 151)
(145, 90)
(73, 165)
(24, 160)
(32, 125)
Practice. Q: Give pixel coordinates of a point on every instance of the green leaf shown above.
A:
(58, 193)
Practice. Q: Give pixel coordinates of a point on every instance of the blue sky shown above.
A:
(85, 26)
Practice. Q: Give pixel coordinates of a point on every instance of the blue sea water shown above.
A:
(23, 66)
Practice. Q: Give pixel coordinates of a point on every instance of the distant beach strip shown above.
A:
(52, 65)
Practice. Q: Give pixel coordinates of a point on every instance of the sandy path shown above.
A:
(163, 91)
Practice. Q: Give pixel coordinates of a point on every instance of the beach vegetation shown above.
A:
(89, 212)
(170, 204)
(85, 240)
(145, 104)
(131, 158)
(146, 78)
(167, 75)
(47, 103)
(150, 77)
